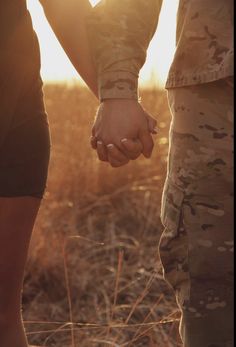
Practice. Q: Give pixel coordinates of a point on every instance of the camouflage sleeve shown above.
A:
(120, 32)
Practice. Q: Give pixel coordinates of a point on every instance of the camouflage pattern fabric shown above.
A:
(196, 247)
(204, 42)
(121, 31)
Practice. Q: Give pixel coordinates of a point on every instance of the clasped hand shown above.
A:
(122, 131)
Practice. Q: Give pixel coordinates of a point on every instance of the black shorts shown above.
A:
(24, 129)
(24, 154)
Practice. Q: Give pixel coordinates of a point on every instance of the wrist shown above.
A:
(118, 85)
(119, 101)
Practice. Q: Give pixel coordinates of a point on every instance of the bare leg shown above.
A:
(17, 217)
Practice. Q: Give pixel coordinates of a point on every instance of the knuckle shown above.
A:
(124, 162)
(101, 157)
(134, 157)
(113, 164)
(119, 164)
(93, 142)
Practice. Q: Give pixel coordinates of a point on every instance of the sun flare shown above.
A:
(57, 67)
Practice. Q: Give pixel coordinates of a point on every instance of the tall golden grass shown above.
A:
(94, 277)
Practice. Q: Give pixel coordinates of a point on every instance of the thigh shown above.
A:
(201, 166)
(196, 247)
(17, 217)
(201, 138)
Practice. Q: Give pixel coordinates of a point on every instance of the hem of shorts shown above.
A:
(174, 81)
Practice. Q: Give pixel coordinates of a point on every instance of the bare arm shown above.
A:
(68, 21)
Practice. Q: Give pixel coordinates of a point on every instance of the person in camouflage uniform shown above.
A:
(196, 247)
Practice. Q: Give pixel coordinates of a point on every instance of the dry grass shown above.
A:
(94, 277)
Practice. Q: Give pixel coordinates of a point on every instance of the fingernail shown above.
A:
(110, 146)
(155, 131)
(99, 143)
(124, 140)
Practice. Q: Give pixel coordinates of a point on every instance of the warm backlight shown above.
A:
(57, 67)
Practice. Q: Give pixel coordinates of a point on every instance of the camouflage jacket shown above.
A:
(121, 30)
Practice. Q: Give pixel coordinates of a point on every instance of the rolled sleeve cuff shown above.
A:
(118, 85)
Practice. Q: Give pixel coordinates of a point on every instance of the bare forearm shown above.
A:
(68, 21)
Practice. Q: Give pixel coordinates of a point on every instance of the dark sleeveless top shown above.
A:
(19, 60)
(16, 32)
(11, 12)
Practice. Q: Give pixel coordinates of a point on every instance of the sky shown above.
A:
(57, 67)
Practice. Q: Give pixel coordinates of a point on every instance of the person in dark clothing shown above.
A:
(25, 138)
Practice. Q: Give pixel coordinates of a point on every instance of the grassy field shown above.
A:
(94, 278)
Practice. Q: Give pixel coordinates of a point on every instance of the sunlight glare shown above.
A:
(57, 67)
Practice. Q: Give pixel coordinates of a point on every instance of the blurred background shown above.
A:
(94, 277)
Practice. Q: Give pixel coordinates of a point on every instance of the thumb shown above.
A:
(152, 123)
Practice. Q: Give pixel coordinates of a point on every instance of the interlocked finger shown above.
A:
(102, 151)
(132, 148)
(115, 157)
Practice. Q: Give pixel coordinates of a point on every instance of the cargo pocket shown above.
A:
(173, 247)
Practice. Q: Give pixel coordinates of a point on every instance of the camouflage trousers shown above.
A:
(196, 247)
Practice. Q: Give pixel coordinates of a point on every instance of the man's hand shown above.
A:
(122, 131)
